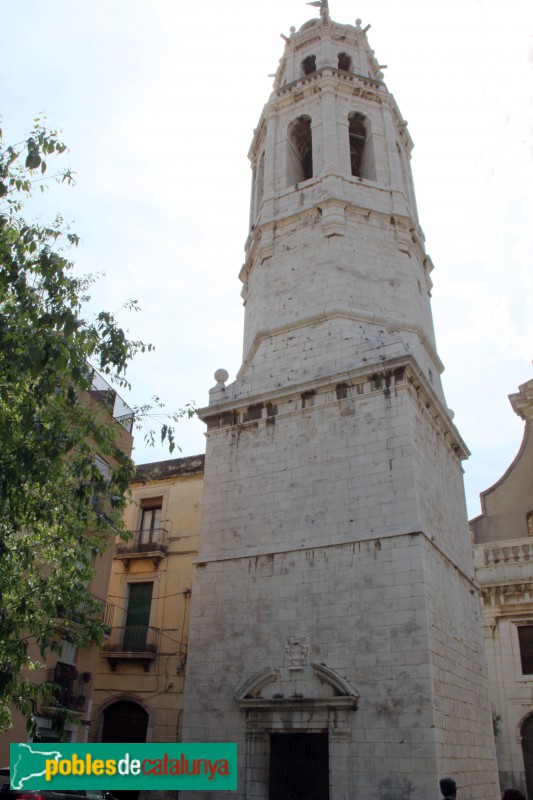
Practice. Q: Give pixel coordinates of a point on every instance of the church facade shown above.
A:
(503, 558)
(335, 631)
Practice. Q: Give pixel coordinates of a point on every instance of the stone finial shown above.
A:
(358, 29)
(221, 376)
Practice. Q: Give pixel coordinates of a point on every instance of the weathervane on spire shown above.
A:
(322, 5)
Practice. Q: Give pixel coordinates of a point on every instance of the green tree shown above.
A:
(58, 507)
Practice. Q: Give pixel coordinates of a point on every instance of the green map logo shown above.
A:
(30, 763)
(208, 766)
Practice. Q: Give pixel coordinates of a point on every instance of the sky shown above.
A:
(157, 101)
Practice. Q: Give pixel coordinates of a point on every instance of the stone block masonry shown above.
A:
(334, 616)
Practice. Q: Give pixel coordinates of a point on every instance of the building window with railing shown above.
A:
(70, 688)
(136, 638)
(150, 523)
(138, 616)
(150, 539)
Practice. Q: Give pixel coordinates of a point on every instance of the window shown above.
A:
(309, 65)
(300, 151)
(67, 652)
(529, 522)
(150, 526)
(299, 766)
(138, 616)
(345, 62)
(99, 500)
(525, 640)
(46, 735)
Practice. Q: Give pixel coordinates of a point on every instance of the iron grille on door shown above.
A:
(299, 766)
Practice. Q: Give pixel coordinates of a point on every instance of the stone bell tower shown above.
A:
(335, 629)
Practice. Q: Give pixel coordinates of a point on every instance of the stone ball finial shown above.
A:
(221, 376)
(358, 23)
(292, 30)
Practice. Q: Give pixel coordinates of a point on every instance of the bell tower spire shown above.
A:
(331, 177)
(334, 623)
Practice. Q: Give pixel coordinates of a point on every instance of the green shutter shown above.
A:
(139, 604)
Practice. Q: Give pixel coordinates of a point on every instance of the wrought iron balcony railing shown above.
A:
(71, 690)
(94, 608)
(154, 541)
(142, 640)
(104, 394)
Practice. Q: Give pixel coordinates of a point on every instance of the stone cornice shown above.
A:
(228, 411)
(259, 245)
(358, 538)
(349, 313)
(501, 592)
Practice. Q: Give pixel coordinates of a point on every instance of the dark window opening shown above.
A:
(299, 766)
(309, 65)
(300, 154)
(357, 132)
(529, 522)
(345, 62)
(525, 640)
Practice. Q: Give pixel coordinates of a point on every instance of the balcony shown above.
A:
(94, 608)
(144, 544)
(104, 394)
(70, 689)
(132, 642)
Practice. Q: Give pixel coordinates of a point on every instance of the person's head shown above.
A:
(448, 787)
(512, 794)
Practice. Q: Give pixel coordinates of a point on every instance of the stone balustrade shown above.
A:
(515, 552)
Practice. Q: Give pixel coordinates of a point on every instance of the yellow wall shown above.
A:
(156, 684)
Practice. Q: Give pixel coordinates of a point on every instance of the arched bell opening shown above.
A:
(344, 62)
(300, 151)
(309, 65)
(361, 149)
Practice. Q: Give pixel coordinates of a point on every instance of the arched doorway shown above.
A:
(527, 751)
(125, 721)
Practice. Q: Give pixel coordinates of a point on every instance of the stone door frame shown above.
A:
(331, 712)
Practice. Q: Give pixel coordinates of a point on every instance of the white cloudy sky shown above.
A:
(158, 99)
